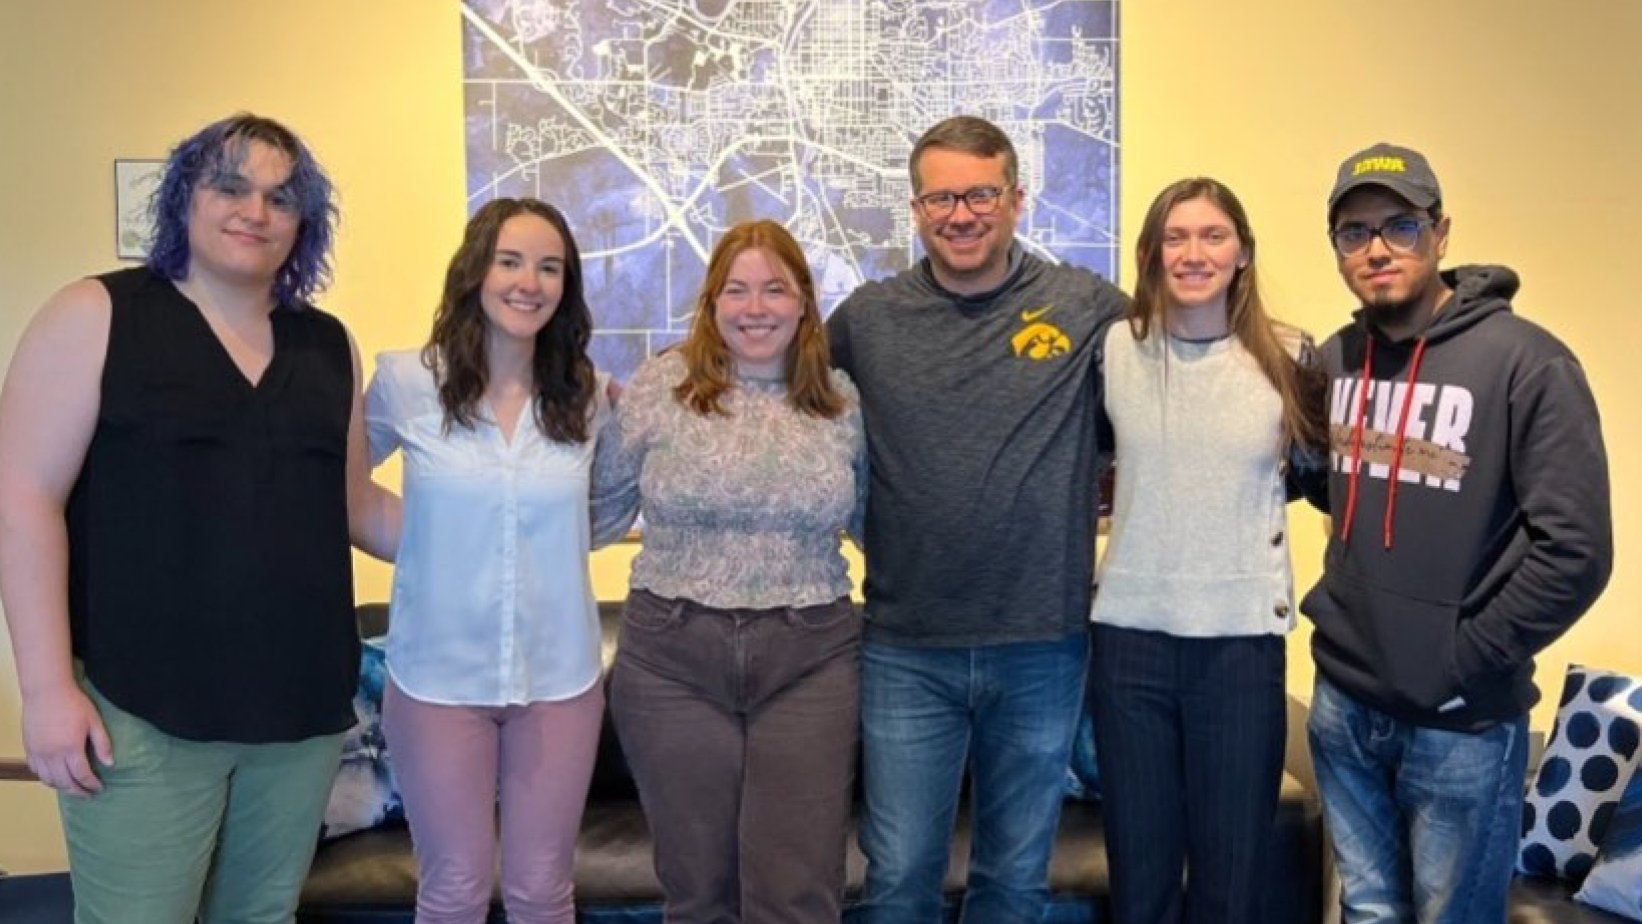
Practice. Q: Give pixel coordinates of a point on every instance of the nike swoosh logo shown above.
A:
(1034, 315)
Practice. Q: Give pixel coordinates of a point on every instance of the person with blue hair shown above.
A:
(182, 467)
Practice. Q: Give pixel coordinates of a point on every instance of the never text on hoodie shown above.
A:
(1469, 490)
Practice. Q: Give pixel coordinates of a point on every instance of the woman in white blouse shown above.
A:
(493, 646)
(735, 688)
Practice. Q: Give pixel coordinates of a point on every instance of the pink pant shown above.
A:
(450, 762)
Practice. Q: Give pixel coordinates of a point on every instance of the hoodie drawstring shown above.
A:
(1402, 426)
(1361, 416)
(1397, 451)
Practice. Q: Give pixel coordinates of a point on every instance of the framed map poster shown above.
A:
(656, 125)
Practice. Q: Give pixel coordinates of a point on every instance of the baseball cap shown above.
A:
(1403, 171)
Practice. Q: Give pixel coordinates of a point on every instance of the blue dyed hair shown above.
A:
(221, 147)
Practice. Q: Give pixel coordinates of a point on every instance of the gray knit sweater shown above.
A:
(1198, 544)
(741, 509)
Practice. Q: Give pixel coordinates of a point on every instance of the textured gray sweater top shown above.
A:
(1198, 545)
(741, 510)
(980, 415)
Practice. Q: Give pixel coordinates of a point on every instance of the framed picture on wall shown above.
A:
(134, 182)
(658, 126)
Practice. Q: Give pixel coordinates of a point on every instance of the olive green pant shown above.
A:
(221, 831)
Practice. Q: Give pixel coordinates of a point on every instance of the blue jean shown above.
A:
(1007, 711)
(1424, 821)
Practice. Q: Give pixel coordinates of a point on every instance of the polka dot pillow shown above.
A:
(1593, 750)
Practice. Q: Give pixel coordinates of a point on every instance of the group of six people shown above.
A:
(186, 454)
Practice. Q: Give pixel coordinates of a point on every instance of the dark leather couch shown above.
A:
(371, 876)
(1538, 901)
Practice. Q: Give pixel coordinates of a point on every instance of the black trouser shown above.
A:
(1189, 739)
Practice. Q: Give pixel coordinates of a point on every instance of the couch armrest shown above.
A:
(372, 619)
(13, 769)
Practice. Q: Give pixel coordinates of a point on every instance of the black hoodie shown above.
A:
(1439, 588)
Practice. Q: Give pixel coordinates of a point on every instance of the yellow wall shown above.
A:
(1528, 114)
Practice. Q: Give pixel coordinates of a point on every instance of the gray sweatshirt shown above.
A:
(980, 415)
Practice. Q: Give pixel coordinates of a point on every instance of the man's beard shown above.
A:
(1385, 313)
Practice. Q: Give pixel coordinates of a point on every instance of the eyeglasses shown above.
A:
(982, 200)
(1401, 235)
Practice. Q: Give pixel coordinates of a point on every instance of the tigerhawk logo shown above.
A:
(1039, 340)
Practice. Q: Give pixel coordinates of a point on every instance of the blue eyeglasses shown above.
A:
(1401, 235)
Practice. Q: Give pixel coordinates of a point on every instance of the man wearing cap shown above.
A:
(1471, 528)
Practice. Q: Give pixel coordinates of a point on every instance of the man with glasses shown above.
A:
(1471, 527)
(976, 373)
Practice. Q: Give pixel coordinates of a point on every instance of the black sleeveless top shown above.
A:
(210, 579)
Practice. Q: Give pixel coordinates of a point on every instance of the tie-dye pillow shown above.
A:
(364, 794)
(1615, 883)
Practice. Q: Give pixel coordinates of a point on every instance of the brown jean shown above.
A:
(740, 727)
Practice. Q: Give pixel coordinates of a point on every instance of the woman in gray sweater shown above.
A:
(1208, 404)
(736, 683)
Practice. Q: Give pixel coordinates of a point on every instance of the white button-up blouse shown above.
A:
(492, 601)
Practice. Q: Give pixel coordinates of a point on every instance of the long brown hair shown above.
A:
(1300, 384)
(709, 365)
(561, 372)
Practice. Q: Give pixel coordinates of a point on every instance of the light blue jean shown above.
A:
(1007, 711)
(1424, 822)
